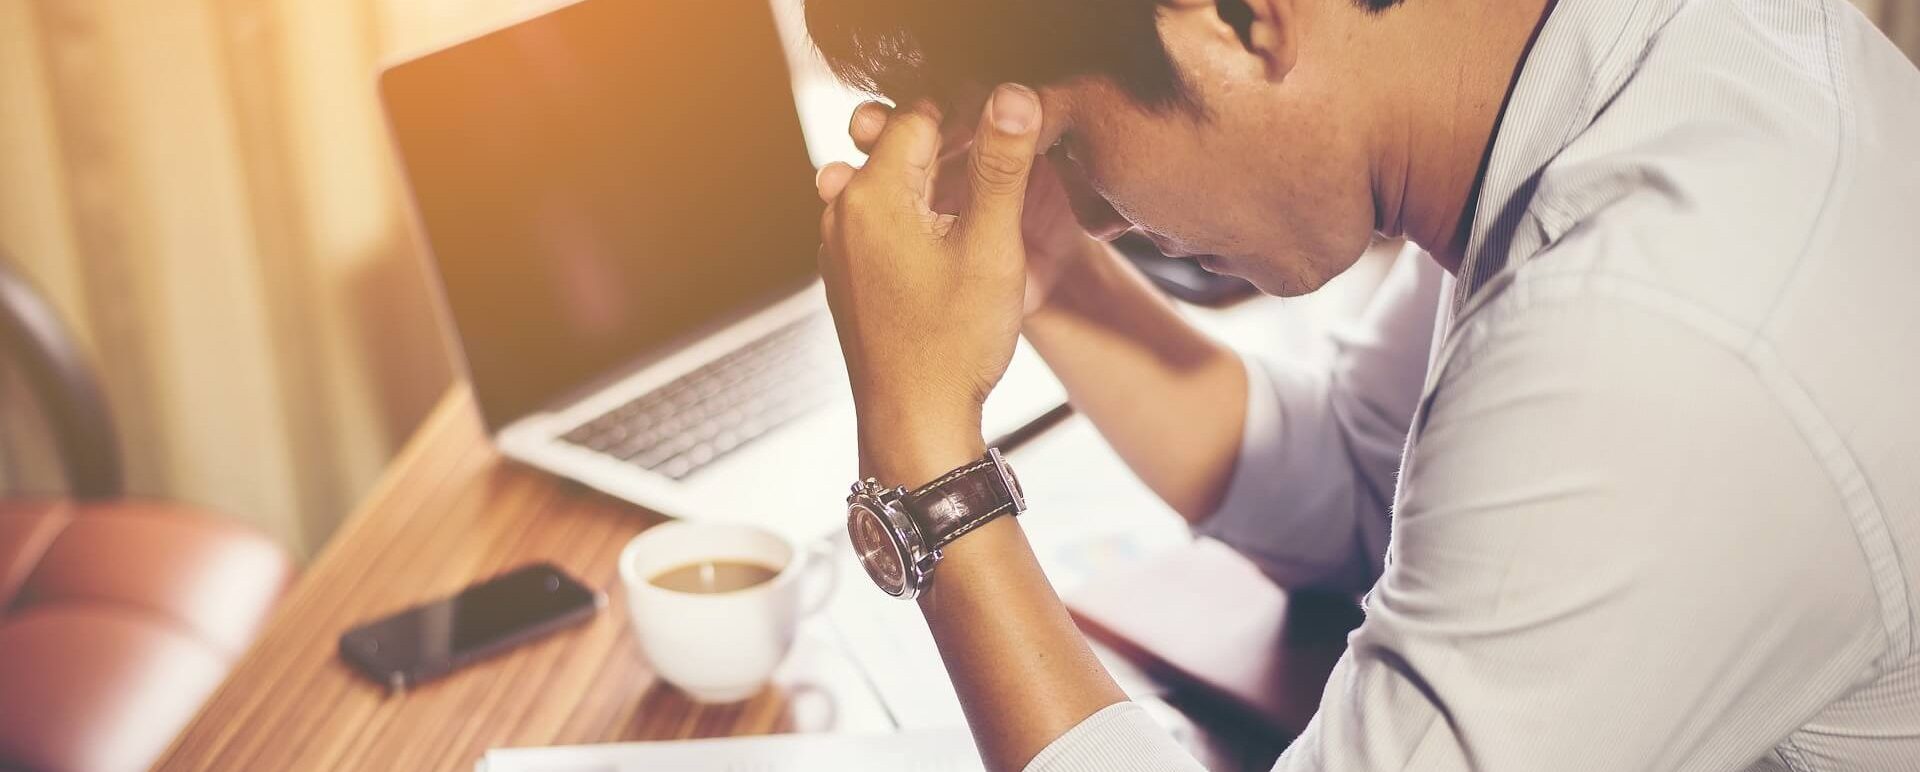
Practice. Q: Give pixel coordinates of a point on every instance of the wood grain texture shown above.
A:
(450, 511)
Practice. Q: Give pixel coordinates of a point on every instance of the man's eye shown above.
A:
(1059, 150)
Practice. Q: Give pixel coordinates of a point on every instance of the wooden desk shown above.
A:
(450, 511)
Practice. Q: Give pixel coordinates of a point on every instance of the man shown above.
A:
(1659, 500)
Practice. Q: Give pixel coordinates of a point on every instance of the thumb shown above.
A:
(1001, 159)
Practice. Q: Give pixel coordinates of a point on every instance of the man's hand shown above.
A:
(928, 305)
(1053, 237)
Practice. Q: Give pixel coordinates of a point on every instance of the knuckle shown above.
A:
(867, 120)
(856, 197)
(846, 224)
(869, 198)
(916, 128)
(1000, 170)
(921, 115)
(856, 221)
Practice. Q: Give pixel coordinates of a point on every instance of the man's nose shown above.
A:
(1098, 218)
(1108, 229)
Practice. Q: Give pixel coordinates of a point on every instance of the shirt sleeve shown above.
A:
(1612, 546)
(1310, 492)
(1309, 497)
(1119, 738)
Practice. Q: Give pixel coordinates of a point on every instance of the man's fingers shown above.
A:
(832, 179)
(869, 119)
(904, 154)
(949, 194)
(1001, 160)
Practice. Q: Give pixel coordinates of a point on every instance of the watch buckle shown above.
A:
(1007, 483)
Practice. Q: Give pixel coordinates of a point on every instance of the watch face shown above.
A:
(879, 555)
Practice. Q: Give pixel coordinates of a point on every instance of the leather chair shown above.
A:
(118, 617)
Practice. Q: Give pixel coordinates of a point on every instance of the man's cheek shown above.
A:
(1151, 199)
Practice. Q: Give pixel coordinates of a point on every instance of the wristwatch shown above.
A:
(899, 534)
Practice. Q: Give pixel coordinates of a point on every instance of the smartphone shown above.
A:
(431, 640)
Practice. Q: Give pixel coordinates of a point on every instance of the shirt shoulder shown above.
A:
(1671, 392)
(1752, 182)
(1712, 166)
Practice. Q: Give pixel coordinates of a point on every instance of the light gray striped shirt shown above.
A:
(1656, 480)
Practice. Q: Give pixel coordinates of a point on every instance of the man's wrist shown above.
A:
(912, 451)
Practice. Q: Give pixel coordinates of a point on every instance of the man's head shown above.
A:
(1229, 128)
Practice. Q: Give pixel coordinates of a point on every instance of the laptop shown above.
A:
(618, 203)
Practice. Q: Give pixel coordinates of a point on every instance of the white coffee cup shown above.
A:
(720, 646)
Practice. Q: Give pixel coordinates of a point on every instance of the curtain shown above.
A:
(206, 189)
(1900, 19)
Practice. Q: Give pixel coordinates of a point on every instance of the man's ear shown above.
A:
(1273, 32)
(1268, 29)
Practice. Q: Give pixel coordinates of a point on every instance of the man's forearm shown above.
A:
(1024, 674)
(1022, 671)
(1169, 398)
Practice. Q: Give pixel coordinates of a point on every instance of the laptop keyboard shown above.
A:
(702, 416)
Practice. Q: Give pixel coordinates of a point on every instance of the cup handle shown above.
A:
(824, 574)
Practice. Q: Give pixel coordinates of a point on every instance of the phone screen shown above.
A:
(429, 640)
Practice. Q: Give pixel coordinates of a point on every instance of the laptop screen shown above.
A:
(603, 181)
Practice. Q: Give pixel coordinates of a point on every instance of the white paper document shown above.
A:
(925, 750)
(1090, 516)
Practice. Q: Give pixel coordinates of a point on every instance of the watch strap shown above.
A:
(964, 499)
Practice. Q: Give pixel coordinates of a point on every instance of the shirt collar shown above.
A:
(1583, 55)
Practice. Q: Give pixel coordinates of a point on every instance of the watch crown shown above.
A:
(867, 487)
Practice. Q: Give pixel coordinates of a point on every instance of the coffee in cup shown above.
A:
(715, 606)
(710, 576)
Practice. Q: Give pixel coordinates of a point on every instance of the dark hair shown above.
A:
(912, 49)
